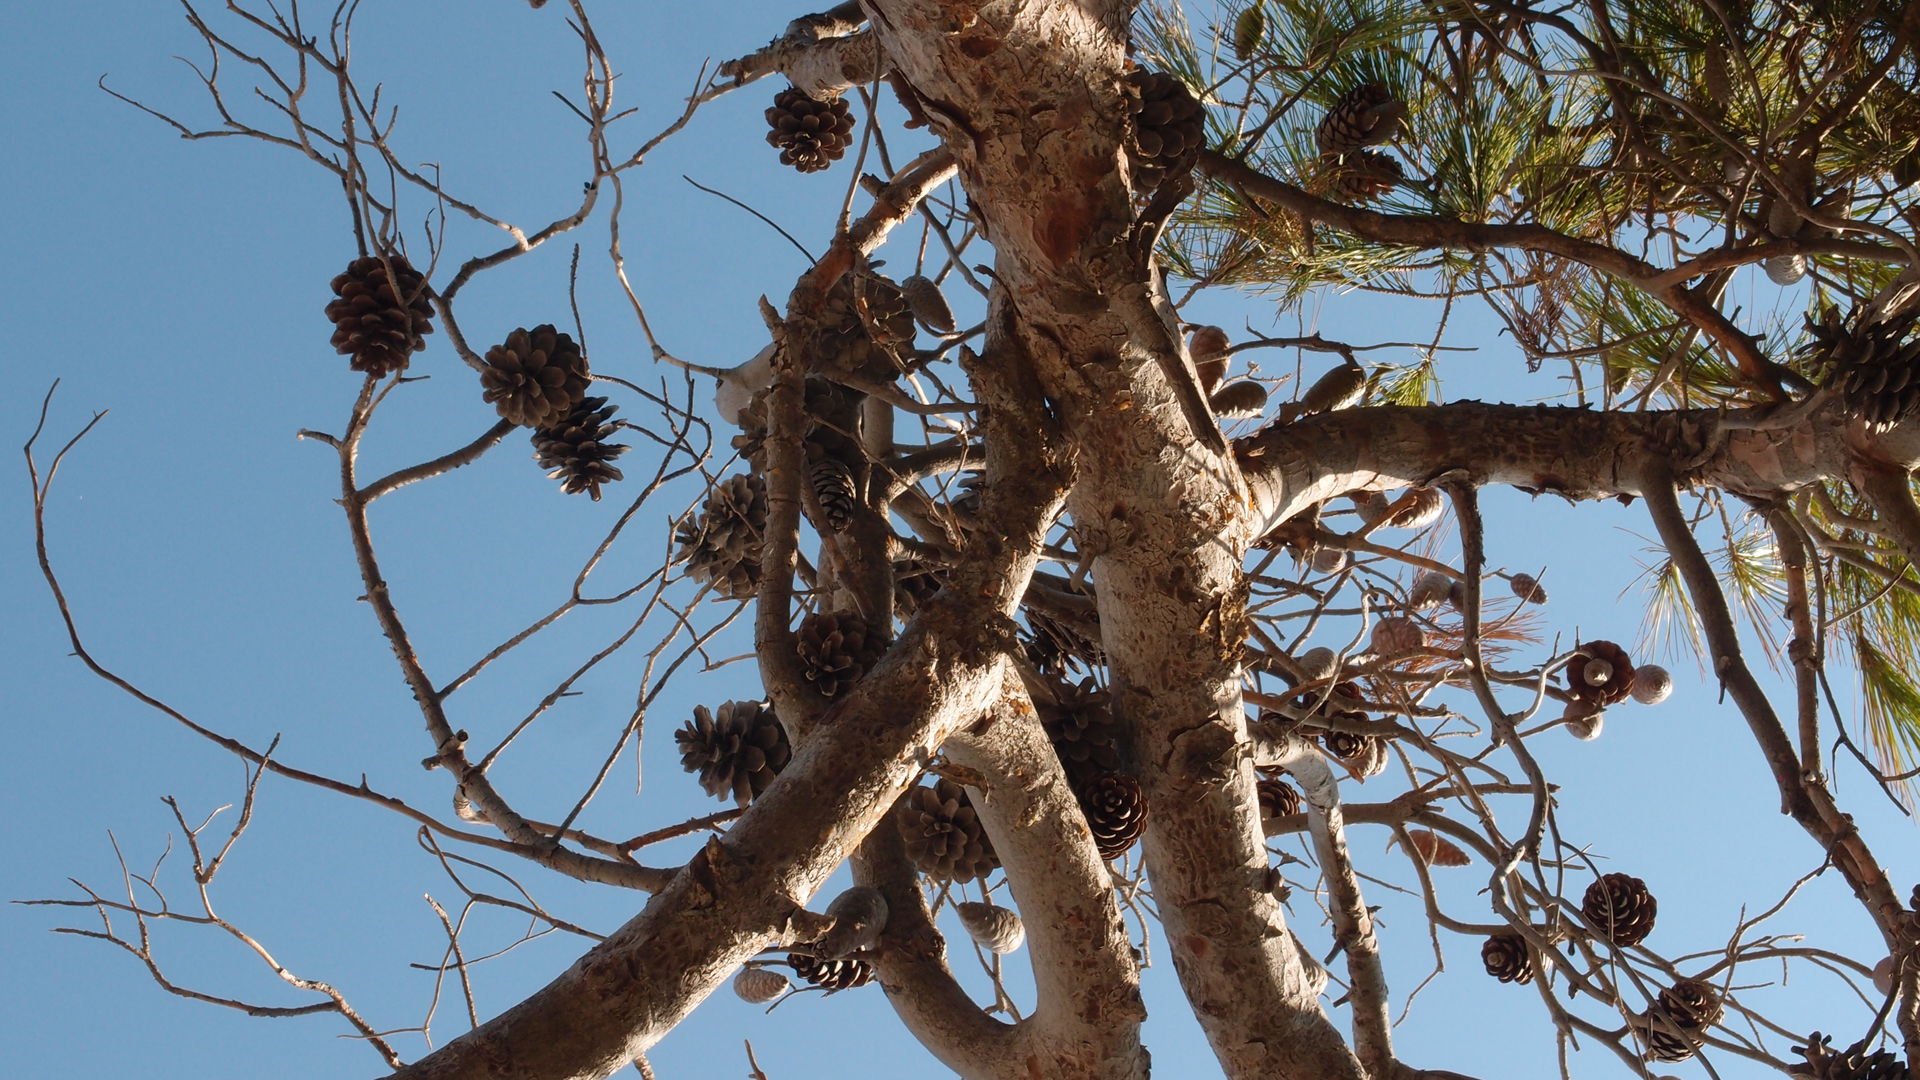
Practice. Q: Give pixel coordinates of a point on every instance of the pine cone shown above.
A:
(1057, 647)
(576, 449)
(1436, 850)
(1364, 175)
(1167, 127)
(1082, 729)
(1527, 589)
(1651, 684)
(1692, 1004)
(1664, 1041)
(536, 378)
(1423, 511)
(380, 325)
(811, 134)
(1277, 799)
(1620, 909)
(722, 545)
(1507, 959)
(1116, 811)
(738, 753)
(836, 648)
(1366, 755)
(831, 975)
(1603, 676)
(866, 328)
(928, 304)
(1248, 28)
(759, 986)
(1878, 376)
(943, 833)
(1368, 115)
(1397, 635)
(833, 486)
(994, 927)
(915, 583)
(1854, 1063)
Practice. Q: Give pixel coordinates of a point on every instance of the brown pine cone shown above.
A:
(1602, 676)
(737, 753)
(1082, 728)
(943, 833)
(1368, 115)
(1507, 959)
(830, 975)
(1277, 798)
(1619, 908)
(1168, 127)
(722, 545)
(1664, 1041)
(1364, 754)
(576, 450)
(536, 378)
(833, 486)
(1363, 176)
(1692, 1004)
(914, 583)
(1822, 1062)
(381, 324)
(866, 328)
(1878, 374)
(927, 302)
(836, 648)
(1116, 811)
(810, 134)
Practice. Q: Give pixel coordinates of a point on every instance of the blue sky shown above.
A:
(180, 286)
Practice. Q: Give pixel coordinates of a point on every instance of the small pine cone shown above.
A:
(1397, 635)
(1585, 720)
(1436, 850)
(1116, 811)
(576, 451)
(1507, 959)
(1208, 347)
(943, 833)
(759, 986)
(1663, 1040)
(1241, 400)
(1369, 115)
(1692, 1004)
(1167, 126)
(836, 648)
(810, 134)
(1786, 269)
(722, 545)
(1370, 506)
(1430, 590)
(1423, 511)
(1364, 175)
(1057, 646)
(380, 323)
(831, 975)
(1277, 799)
(1082, 729)
(1527, 589)
(1603, 676)
(536, 378)
(737, 753)
(994, 927)
(1317, 663)
(1248, 28)
(1619, 908)
(1652, 684)
(1822, 1062)
(833, 486)
(1366, 755)
(927, 303)
(915, 583)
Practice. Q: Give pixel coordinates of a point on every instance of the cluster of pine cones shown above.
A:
(381, 312)
(1367, 116)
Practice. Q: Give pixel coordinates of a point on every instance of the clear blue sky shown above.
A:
(180, 286)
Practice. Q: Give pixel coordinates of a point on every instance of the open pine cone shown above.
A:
(1619, 908)
(1692, 1004)
(1603, 676)
(1366, 755)
(1057, 646)
(1116, 811)
(866, 328)
(1368, 115)
(1507, 959)
(1082, 728)
(836, 649)
(1277, 798)
(1363, 176)
(1168, 127)
(576, 451)
(809, 133)
(1664, 1041)
(380, 323)
(830, 975)
(943, 833)
(736, 753)
(1878, 376)
(1822, 1062)
(536, 377)
(833, 486)
(722, 545)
